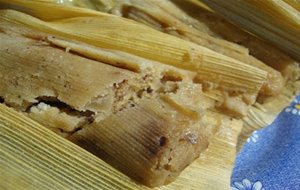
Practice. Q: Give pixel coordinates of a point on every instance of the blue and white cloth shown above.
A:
(270, 159)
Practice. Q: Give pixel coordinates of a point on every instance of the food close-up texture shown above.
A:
(164, 92)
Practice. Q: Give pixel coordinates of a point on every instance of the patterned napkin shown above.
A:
(270, 159)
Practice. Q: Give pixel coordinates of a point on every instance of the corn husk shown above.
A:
(261, 18)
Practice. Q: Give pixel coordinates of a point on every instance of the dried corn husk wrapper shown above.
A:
(275, 20)
(211, 171)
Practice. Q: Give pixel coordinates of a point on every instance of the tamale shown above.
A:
(166, 17)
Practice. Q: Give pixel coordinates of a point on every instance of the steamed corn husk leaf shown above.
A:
(261, 18)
